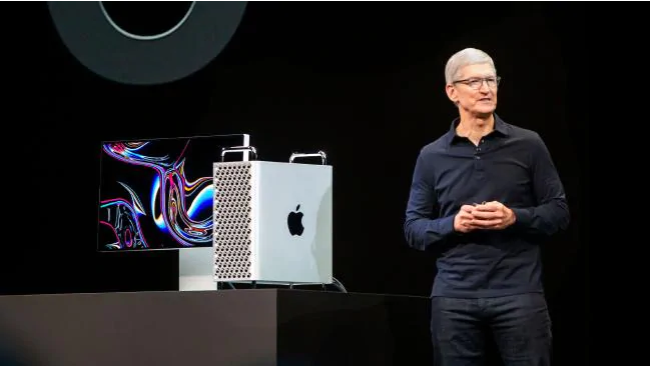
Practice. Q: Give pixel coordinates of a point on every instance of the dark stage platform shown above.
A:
(226, 327)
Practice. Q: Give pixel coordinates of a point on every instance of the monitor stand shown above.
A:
(196, 273)
(196, 269)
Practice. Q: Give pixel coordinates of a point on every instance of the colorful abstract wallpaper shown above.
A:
(157, 194)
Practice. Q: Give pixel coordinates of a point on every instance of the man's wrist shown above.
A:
(512, 216)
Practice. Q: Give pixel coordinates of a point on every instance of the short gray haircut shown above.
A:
(465, 57)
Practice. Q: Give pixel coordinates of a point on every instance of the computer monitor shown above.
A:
(157, 194)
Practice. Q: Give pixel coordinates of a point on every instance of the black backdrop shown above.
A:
(362, 82)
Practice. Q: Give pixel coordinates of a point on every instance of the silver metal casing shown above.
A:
(273, 222)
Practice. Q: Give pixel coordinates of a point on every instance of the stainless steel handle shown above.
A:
(320, 153)
(242, 149)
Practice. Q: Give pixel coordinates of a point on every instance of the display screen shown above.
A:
(158, 194)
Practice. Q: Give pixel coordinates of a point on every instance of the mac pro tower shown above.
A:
(272, 222)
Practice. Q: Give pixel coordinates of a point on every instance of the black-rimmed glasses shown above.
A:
(476, 83)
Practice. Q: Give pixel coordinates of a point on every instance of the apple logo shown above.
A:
(294, 222)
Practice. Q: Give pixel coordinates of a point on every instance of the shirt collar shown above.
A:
(500, 128)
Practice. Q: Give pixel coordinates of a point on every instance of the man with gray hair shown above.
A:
(484, 195)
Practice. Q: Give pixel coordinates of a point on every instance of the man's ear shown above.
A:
(451, 91)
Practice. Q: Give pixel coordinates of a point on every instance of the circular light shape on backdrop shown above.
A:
(133, 18)
(104, 47)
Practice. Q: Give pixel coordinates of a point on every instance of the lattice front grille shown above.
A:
(232, 224)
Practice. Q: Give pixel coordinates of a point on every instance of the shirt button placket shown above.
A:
(479, 165)
(478, 149)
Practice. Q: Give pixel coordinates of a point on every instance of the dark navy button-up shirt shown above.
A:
(511, 165)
